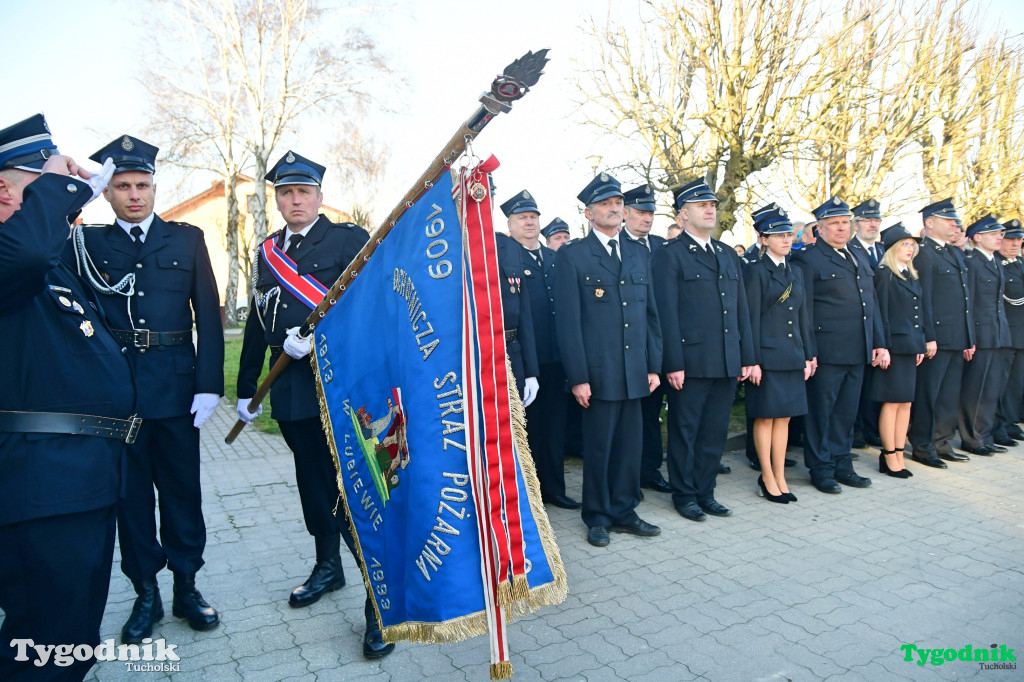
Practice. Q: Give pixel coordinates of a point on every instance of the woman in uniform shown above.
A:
(899, 301)
(781, 333)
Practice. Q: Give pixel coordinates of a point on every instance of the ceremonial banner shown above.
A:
(432, 457)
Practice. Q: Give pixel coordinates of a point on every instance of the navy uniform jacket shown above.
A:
(704, 317)
(1013, 283)
(539, 284)
(845, 323)
(778, 315)
(858, 250)
(173, 281)
(985, 284)
(654, 240)
(947, 317)
(325, 252)
(607, 322)
(59, 356)
(515, 306)
(899, 302)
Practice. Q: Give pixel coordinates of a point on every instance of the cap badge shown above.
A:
(290, 158)
(604, 177)
(873, 204)
(526, 195)
(647, 189)
(127, 144)
(835, 201)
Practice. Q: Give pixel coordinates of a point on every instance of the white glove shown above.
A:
(297, 347)
(530, 390)
(203, 405)
(99, 181)
(243, 411)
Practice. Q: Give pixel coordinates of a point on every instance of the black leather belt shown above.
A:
(144, 338)
(510, 335)
(73, 424)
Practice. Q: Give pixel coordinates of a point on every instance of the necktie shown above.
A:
(642, 240)
(293, 245)
(873, 254)
(537, 256)
(613, 245)
(136, 233)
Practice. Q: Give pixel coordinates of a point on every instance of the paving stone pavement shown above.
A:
(828, 588)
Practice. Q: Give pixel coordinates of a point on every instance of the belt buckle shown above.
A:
(137, 334)
(133, 429)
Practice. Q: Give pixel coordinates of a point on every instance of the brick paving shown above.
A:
(827, 588)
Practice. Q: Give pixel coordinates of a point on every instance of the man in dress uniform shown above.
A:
(847, 335)
(545, 415)
(708, 346)
(60, 470)
(556, 233)
(639, 203)
(517, 320)
(867, 219)
(1011, 402)
(610, 342)
(309, 248)
(178, 384)
(949, 334)
(985, 375)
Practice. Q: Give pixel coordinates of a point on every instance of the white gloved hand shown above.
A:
(243, 411)
(203, 405)
(100, 179)
(297, 347)
(530, 390)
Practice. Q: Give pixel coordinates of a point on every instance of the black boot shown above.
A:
(327, 575)
(189, 603)
(148, 610)
(373, 640)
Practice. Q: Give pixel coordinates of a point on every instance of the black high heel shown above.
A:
(883, 466)
(763, 492)
(909, 472)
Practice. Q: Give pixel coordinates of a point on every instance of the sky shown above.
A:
(84, 76)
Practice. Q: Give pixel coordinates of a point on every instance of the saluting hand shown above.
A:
(675, 379)
(653, 381)
(582, 394)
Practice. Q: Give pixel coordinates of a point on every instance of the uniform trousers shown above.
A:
(653, 450)
(545, 429)
(1011, 402)
(866, 424)
(936, 407)
(833, 395)
(165, 454)
(611, 462)
(54, 577)
(983, 382)
(698, 426)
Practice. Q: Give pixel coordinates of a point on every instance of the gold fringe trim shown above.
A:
(505, 594)
(501, 671)
(554, 592)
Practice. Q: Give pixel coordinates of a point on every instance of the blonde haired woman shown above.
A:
(899, 301)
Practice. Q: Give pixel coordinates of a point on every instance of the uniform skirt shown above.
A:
(782, 393)
(896, 384)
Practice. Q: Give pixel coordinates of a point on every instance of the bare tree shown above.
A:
(361, 160)
(720, 89)
(249, 72)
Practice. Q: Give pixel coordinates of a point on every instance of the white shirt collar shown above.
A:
(702, 243)
(145, 225)
(288, 234)
(777, 262)
(940, 243)
(988, 256)
(604, 239)
(867, 245)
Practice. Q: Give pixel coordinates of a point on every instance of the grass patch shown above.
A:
(232, 351)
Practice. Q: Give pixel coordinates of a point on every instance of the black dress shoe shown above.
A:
(873, 440)
(996, 448)
(561, 501)
(714, 507)
(327, 575)
(828, 485)
(1008, 442)
(657, 483)
(638, 527)
(189, 603)
(147, 611)
(1015, 432)
(691, 511)
(724, 468)
(756, 466)
(373, 638)
(853, 480)
(598, 536)
(933, 462)
(983, 450)
(859, 442)
(954, 456)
